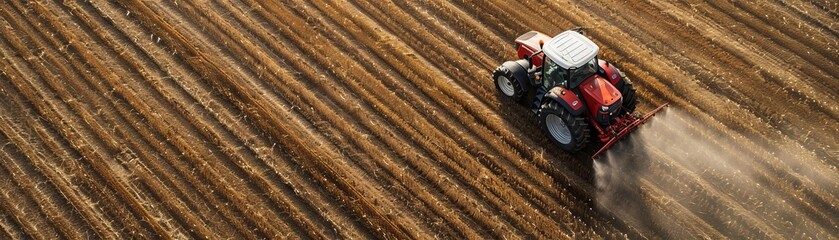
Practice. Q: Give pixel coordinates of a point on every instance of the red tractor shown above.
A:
(575, 91)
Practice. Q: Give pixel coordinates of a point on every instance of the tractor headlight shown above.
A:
(604, 108)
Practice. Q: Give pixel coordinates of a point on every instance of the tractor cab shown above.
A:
(572, 64)
(572, 58)
(554, 75)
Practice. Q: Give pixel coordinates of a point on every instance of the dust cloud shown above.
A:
(673, 164)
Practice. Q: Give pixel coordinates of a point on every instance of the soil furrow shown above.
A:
(786, 34)
(330, 89)
(777, 119)
(79, 69)
(815, 16)
(342, 186)
(211, 105)
(14, 202)
(286, 81)
(10, 229)
(377, 104)
(356, 119)
(143, 173)
(67, 171)
(222, 139)
(217, 107)
(39, 187)
(812, 67)
(248, 54)
(57, 112)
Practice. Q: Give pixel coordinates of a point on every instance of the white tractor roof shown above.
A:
(570, 49)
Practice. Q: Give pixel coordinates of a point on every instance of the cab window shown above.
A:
(580, 74)
(553, 75)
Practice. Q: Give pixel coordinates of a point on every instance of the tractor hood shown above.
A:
(599, 92)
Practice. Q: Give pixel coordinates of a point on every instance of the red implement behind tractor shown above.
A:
(575, 91)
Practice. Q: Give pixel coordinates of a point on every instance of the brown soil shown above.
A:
(369, 119)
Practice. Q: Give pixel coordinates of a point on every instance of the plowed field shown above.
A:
(378, 119)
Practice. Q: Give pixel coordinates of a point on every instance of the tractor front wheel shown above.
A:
(507, 83)
(568, 131)
(628, 93)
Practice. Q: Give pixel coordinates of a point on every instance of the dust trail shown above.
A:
(674, 162)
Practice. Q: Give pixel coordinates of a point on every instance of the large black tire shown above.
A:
(628, 93)
(568, 131)
(507, 84)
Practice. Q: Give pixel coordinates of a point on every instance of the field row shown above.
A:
(355, 119)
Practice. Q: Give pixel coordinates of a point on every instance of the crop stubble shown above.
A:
(354, 119)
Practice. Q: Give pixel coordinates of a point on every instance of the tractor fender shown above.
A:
(519, 70)
(611, 73)
(567, 99)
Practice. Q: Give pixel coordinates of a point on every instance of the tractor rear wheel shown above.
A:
(628, 93)
(568, 131)
(508, 84)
